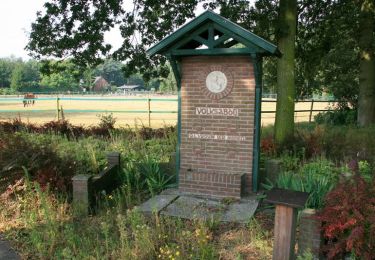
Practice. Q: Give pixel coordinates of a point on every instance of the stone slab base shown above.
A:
(193, 207)
(157, 203)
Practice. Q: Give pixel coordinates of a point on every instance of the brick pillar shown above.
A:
(113, 158)
(81, 193)
(309, 233)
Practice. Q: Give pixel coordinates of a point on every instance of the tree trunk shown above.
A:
(284, 123)
(366, 99)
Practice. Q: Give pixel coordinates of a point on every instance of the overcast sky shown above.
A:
(15, 21)
(16, 17)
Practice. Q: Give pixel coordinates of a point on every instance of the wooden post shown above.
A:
(285, 226)
(311, 110)
(58, 108)
(149, 112)
(287, 202)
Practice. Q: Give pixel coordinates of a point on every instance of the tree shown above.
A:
(75, 29)
(284, 123)
(366, 102)
(6, 68)
(65, 76)
(17, 77)
(326, 47)
(168, 84)
(25, 76)
(112, 71)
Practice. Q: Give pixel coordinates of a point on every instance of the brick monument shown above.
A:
(217, 65)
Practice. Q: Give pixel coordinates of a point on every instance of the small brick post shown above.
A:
(309, 238)
(113, 158)
(81, 193)
(273, 169)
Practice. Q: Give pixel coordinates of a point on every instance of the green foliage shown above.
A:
(111, 70)
(317, 178)
(8, 91)
(107, 121)
(46, 226)
(51, 155)
(343, 116)
(16, 79)
(156, 179)
(65, 76)
(168, 84)
(365, 170)
(338, 143)
(7, 66)
(142, 174)
(349, 142)
(307, 255)
(25, 76)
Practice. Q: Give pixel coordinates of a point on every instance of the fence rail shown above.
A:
(149, 106)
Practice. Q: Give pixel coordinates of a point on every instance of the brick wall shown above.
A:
(309, 237)
(216, 150)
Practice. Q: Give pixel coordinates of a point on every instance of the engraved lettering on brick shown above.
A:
(216, 137)
(216, 111)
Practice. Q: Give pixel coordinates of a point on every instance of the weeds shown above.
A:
(48, 228)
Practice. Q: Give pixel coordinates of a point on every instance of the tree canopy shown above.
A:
(331, 47)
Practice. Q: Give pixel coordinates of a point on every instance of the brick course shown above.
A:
(214, 167)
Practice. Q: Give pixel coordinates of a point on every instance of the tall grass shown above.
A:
(46, 227)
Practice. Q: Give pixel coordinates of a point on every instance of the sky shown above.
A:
(16, 17)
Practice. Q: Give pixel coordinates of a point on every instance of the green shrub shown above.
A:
(107, 121)
(317, 178)
(343, 116)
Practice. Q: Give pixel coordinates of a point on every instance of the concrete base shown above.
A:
(157, 204)
(6, 252)
(192, 207)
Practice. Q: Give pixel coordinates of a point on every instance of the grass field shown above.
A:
(14, 108)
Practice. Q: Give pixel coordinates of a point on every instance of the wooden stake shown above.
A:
(285, 228)
(311, 110)
(149, 112)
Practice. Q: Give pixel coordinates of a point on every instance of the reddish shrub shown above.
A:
(267, 145)
(50, 177)
(71, 131)
(349, 220)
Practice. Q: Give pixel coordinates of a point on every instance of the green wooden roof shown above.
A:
(212, 34)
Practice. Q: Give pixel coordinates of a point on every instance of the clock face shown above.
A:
(219, 82)
(216, 81)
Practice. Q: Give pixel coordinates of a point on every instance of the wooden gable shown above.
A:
(212, 34)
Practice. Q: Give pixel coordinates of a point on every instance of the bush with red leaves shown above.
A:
(63, 127)
(267, 145)
(349, 220)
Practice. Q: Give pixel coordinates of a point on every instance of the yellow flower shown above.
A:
(177, 253)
